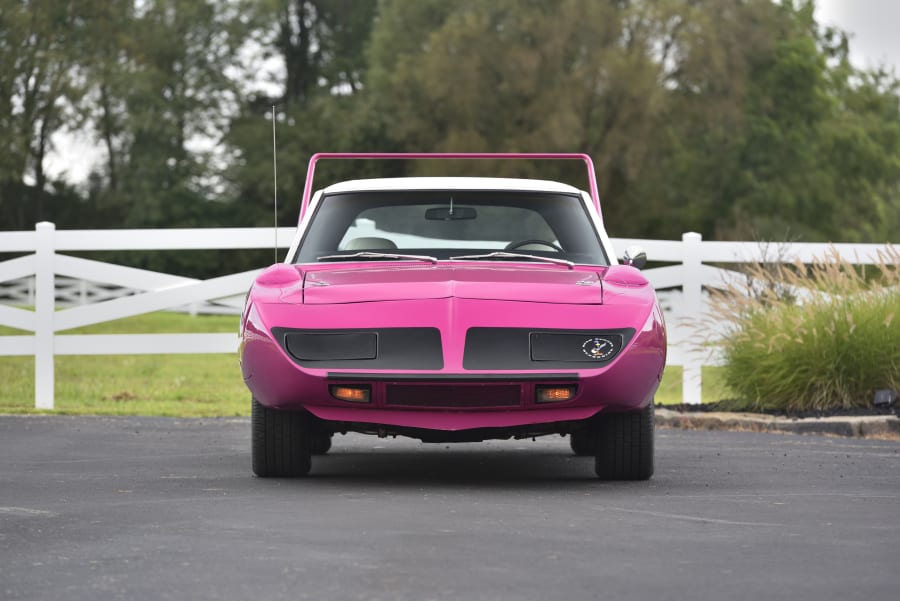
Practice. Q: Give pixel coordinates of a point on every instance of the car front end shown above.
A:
(472, 351)
(452, 309)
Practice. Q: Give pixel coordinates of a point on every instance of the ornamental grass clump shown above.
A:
(813, 337)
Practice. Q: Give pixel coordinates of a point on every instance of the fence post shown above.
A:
(692, 295)
(44, 307)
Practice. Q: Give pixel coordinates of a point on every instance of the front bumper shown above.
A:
(452, 397)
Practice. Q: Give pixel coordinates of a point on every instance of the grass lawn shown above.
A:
(714, 388)
(173, 385)
(178, 385)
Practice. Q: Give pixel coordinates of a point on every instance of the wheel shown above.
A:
(521, 243)
(624, 445)
(319, 444)
(582, 443)
(280, 442)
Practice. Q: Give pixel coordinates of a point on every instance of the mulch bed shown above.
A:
(731, 406)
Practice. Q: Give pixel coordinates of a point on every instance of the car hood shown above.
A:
(537, 283)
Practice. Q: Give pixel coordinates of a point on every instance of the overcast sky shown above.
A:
(874, 26)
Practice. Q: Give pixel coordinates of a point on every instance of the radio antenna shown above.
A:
(275, 174)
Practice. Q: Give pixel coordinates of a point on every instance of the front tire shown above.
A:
(624, 445)
(280, 442)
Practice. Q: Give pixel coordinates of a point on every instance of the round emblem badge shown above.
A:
(598, 348)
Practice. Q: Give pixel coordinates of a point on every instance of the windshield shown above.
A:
(446, 224)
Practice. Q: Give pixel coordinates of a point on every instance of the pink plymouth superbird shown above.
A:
(453, 309)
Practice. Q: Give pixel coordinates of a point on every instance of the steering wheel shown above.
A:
(521, 243)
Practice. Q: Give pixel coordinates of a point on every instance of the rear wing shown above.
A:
(310, 171)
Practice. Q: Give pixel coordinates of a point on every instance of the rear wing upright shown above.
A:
(310, 171)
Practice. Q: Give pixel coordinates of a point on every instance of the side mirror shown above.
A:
(635, 256)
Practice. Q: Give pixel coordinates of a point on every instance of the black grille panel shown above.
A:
(374, 348)
(453, 395)
(532, 348)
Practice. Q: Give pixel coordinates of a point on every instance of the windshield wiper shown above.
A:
(509, 255)
(371, 255)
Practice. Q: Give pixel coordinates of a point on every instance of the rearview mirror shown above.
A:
(450, 213)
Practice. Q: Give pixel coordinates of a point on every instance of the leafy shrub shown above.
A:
(817, 337)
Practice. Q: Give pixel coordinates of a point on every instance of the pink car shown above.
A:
(453, 309)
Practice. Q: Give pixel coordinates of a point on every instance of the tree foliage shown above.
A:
(738, 119)
(41, 44)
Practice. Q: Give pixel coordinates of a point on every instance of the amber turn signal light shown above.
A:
(353, 394)
(554, 394)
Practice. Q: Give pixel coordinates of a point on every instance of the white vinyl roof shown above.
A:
(449, 183)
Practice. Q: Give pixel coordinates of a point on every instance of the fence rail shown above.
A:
(91, 292)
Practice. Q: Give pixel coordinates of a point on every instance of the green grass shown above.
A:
(171, 385)
(714, 387)
(163, 322)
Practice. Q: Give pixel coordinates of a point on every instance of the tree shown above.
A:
(736, 118)
(574, 75)
(156, 76)
(718, 116)
(321, 45)
(40, 48)
(798, 152)
(861, 144)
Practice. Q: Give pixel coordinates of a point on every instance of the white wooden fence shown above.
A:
(158, 291)
(74, 292)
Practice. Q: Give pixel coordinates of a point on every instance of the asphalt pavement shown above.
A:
(100, 508)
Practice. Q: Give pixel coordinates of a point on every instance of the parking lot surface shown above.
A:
(151, 508)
